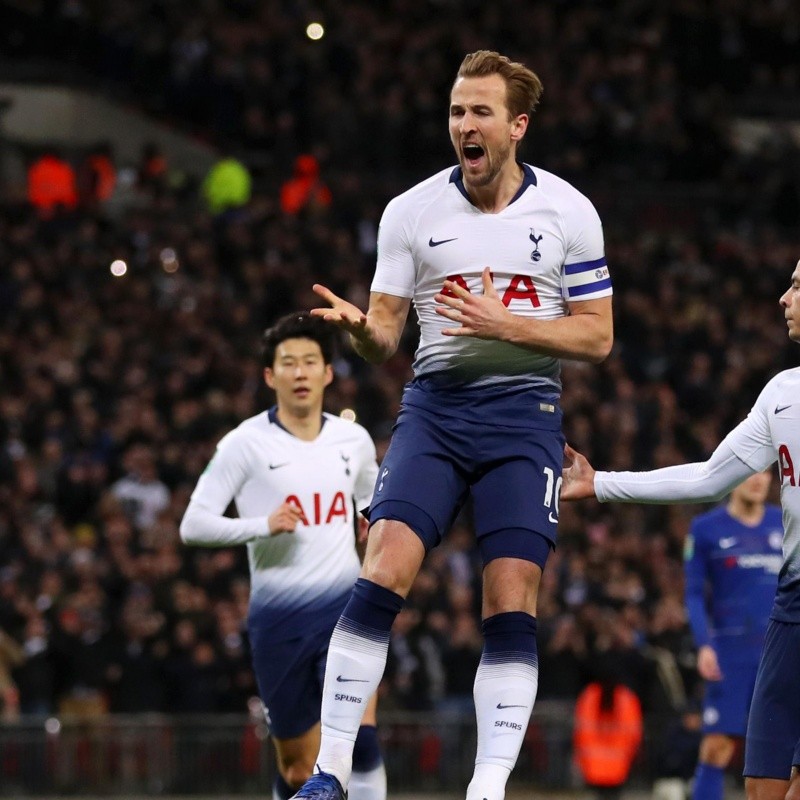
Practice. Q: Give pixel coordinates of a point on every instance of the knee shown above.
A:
(716, 750)
(767, 789)
(394, 555)
(385, 574)
(794, 788)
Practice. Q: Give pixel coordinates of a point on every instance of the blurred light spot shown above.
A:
(348, 414)
(169, 260)
(118, 268)
(315, 31)
(52, 726)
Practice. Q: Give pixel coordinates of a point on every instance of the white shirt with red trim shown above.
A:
(545, 250)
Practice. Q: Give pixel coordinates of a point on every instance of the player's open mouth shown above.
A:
(302, 391)
(472, 154)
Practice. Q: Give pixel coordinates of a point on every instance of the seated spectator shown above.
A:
(98, 176)
(142, 494)
(227, 186)
(305, 189)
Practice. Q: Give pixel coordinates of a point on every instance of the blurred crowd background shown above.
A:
(133, 296)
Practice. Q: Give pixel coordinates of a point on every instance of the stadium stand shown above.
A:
(114, 388)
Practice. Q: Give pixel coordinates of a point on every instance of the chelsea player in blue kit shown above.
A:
(770, 434)
(733, 556)
(506, 269)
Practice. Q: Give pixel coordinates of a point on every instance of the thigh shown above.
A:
(422, 479)
(290, 677)
(520, 482)
(727, 702)
(773, 728)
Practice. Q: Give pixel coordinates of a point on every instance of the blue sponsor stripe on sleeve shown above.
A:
(584, 266)
(588, 288)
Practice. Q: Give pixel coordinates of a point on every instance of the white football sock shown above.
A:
(368, 785)
(354, 669)
(504, 694)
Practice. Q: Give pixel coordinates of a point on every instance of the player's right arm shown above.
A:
(747, 449)
(699, 482)
(374, 335)
(204, 523)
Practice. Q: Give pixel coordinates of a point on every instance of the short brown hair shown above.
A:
(523, 87)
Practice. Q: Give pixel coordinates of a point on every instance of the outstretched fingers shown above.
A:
(341, 313)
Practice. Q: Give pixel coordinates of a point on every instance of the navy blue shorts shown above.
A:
(512, 472)
(290, 675)
(773, 731)
(727, 702)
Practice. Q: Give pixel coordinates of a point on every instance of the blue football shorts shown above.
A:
(290, 675)
(772, 746)
(727, 702)
(513, 473)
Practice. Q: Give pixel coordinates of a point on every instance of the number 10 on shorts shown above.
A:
(551, 492)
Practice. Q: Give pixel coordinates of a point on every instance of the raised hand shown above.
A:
(343, 314)
(577, 476)
(483, 316)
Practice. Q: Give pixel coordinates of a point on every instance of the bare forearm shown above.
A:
(376, 349)
(379, 339)
(584, 337)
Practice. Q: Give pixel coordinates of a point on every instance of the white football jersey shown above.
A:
(544, 249)
(300, 580)
(771, 433)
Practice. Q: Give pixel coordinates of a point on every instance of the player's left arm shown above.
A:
(587, 334)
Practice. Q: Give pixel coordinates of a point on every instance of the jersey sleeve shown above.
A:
(751, 440)
(585, 274)
(699, 482)
(696, 570)
(367, 474)
(747, 449)
(204, 523)
(395, 271)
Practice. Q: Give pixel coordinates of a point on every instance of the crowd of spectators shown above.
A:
(116, 386)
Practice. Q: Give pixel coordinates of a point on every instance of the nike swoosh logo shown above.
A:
(501, 706)
(431, 243)
(278, 466)
(340, 679)
(778, 409)
(726, 543)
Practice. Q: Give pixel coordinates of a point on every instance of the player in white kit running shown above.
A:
(298, 477)
(769, 434)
